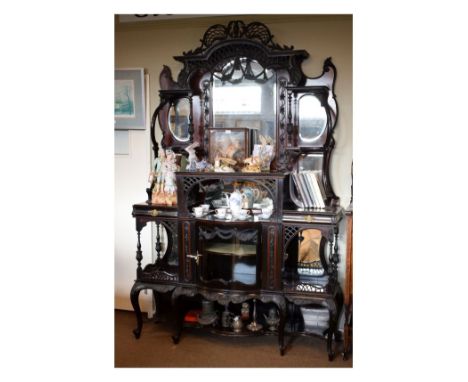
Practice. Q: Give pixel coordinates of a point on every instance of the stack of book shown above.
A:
(310, 188)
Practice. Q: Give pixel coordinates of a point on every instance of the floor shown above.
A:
(198, 348)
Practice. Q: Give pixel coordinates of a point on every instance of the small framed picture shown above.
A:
(229, 143)
(129, 99)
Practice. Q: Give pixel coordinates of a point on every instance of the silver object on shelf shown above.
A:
(254, 326)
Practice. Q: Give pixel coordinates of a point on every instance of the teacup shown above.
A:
(221, 213)
(242, 214)
(206, 208)
(198, 211)
(266, 212)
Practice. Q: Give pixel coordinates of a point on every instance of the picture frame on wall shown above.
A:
(129, 99)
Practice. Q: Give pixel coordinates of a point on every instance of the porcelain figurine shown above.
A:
(224, 164)
(169, 169)
(192, 158)
(164, 188)
(203, 165)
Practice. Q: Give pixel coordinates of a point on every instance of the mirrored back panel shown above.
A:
(244, 97)
(312, 118)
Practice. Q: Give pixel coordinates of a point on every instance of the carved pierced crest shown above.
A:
(237, 39)
(237, 29)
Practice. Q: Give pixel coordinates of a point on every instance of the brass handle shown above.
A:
(196, 257)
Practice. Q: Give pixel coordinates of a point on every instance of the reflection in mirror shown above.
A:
(312, 118)
(179, 119)
(312, 162)
(244, 96)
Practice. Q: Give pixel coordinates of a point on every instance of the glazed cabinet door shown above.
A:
(229, 255)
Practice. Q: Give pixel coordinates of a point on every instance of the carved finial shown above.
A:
(328, 64)
(165, 79)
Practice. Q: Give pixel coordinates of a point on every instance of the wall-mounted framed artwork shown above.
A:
(129, 99)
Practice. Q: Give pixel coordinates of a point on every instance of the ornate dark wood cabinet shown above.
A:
(284, 261)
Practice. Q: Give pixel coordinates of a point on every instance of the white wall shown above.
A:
(131, 174)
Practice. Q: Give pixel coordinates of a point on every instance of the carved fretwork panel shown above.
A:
(238, 39)
(185, 263)
(237, 29)
(190, 181)
(271, 257)
(152, 274)
(282, 134)
(289, 233)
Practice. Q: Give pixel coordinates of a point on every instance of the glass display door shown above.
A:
(230, 255)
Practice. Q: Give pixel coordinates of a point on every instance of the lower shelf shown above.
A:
(228, 332)
(231, 333)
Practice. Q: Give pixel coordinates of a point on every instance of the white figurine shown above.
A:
(169, 169)
(192, 158)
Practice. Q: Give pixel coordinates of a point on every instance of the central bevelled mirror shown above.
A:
(244, 96)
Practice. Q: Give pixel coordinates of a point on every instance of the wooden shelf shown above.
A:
(228, 249)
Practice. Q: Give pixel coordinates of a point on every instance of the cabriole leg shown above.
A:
(135, 292)
(331, 333)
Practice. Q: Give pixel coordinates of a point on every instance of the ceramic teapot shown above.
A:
(234, 200)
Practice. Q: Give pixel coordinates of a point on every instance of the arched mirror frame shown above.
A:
(222, 43)
(320, 140)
